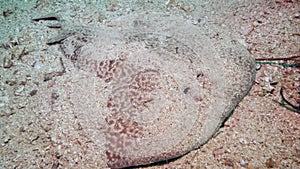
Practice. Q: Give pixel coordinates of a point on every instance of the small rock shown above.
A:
(218, 152)
(19, 90)
(33, 92)
(229, 162)
(21, 105)
(270, 163)
(47, 127)
(242, 163)
(8, 63)
(37, 65)
(256, 23)
(6, 140)
(11, 82)
(3, 100)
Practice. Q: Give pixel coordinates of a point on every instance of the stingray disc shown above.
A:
(157, 86)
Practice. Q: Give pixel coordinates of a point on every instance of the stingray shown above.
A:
(161, 86)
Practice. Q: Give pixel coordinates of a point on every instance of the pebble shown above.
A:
(242, 163)
(19, 90)
(3, 101)
(38, 65)
(270, 163)
(8, 63)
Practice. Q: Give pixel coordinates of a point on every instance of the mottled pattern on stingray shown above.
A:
(140, 103)
(125, 102)
(159, 94)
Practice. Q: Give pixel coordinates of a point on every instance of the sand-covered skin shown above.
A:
(160, 76)
(259, 134)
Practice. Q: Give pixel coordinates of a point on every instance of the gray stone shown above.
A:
(152, 87)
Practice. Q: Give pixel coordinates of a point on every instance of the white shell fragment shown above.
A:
(157, 86)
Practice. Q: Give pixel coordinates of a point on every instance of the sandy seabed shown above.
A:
(260, 134)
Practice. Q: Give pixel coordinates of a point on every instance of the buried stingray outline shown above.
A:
(164, 73)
